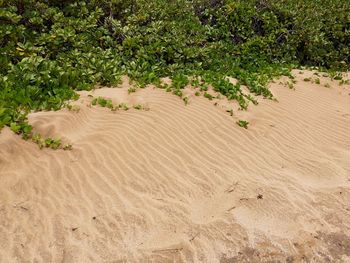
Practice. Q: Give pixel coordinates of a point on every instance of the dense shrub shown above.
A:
(51, 48)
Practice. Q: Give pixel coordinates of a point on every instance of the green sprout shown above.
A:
(243, 124)
(208, 96)
(138, 107)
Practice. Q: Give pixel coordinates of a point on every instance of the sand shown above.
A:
(180, 183)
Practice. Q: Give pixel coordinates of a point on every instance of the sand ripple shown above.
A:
(183, 183)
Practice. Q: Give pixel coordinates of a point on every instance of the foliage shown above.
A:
(243, 124)
(137, 107)
(50, 48)
(107, 103)
(49, 142)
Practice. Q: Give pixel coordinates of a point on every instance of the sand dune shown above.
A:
(183, 183)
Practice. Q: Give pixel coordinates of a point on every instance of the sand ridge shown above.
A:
(183, 183)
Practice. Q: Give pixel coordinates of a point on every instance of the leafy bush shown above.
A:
(50, 48)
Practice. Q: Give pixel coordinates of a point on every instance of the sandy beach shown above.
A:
(183, 183)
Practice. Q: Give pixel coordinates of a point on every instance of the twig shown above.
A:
(196, 235)
(232, 188)
(233, 207)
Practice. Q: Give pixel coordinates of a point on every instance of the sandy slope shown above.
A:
(183, 183)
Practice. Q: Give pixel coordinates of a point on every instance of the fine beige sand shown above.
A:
(180, 183)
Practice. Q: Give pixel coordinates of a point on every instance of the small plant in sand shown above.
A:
(242, 103)
(96, 101)
(177, 92)
(161, 85)
(103, 102)
(74, 108)
(114, 108)
(185, 99)
(343, 81)
(230, 111)
(336, 75)
(109, 104)
(48, 142)
(327, 85)
(252, 99)
(318, 81)
(131, 90)
(106, 103)
(208, 96)
(19, 128)
(52, 143)
(145, 108)
(307, 79)
(36, 138)
(197, 93)
(290, 85)
(243, 124)
(68, 147)
(123, 106)
(138, 107)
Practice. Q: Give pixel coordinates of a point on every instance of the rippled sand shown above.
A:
(183, 183)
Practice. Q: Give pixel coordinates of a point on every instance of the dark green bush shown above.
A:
(50, 48)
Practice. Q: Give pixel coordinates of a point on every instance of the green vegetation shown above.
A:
(343, 81)
(131, 90)
(290, 85)
(49, 142)
(49, 49)
(123, 106)
(68, 147)
(186, 100)
(243, 124)
(208, 96)
(137, 107)
(75, 108)
(107, 103)
(103, 102)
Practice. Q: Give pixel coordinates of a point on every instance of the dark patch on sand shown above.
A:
(330, 247)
